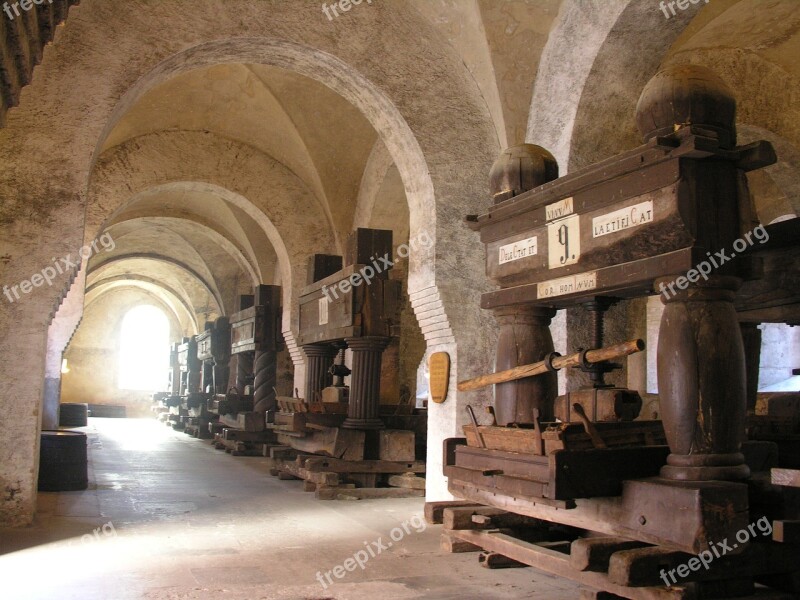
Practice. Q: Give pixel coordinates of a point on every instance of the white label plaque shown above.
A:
(517, 250)
(563, 242)
(624, 218)
(559, 209)
(571, 284)
(323, 310)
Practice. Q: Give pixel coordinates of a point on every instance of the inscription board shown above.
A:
(439, 368)
(580, 282)
(517, 250)
(624, 218)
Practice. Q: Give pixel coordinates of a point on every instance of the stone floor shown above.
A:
(169, 517)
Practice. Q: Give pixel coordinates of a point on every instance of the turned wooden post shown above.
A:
(319, 358)
(702, 383)
(524, 338)
(365, 382)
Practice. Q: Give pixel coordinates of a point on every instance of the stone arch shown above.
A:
(409, 91)
(209, 286)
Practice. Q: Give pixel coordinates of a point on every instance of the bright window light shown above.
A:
(144, 350)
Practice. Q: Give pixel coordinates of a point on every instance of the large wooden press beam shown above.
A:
(560, 362)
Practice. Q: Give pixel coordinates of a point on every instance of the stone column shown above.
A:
(702, 383)
(524, 338)
(319, 358)
(365, 382)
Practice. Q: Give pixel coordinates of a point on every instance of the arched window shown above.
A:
(144, 349)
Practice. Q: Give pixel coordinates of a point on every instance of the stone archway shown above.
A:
(407, 92)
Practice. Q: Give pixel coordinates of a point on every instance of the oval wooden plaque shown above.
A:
(439, 368)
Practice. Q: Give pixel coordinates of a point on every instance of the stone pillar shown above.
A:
(702, 383)
(319, 358)
(524, 338)
(365, 382)
(51, 402)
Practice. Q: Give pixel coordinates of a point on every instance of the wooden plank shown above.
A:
(786, 531)
(642, 566)
(322, 463)
(405, 481)
(558, 564)
(434, 511)
(464, 518)
(689, 530)
(594, 554)
(371, 493)
(786, 477)
(492, 560)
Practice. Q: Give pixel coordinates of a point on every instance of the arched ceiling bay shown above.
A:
(319, 136)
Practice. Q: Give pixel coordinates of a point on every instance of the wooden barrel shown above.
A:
(73, 415)
(63, 461)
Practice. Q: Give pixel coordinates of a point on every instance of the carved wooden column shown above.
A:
(524, 338)
(266, 374)
(701, 382)
(319, 358)
(365, 382)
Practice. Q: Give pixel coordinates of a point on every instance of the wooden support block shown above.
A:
(362, 480)
(286, 476)
(641, 566)
(461, 518)
(309, 486)
(282, 453)
(331, 493)
(371, 493)
(275, 471)
(325, 479)
(593, 554)
(785, 531)
(492, 560)
(396, 445)
(409, 481)
(786, 477)
(453, 545)
(434, 510)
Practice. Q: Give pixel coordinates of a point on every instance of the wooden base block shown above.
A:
(409, 481)
(434, 510)
(455, 545)
(492, 560)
